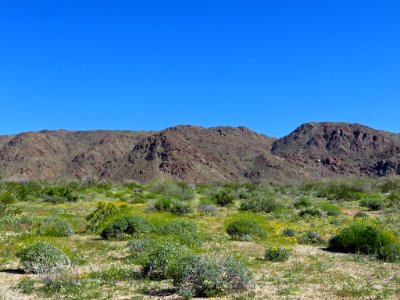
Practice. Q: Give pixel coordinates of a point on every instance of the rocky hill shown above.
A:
(197, 154)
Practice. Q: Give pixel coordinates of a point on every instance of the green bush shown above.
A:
(186, 232)
(207, 209)
(126, 225)
(289, 232)
(209, 276)
(223, 198)
(245, 229)
(390, 252)
(42, 257)
(162, 259)
(311, 212)
(373, 203)
(180, 190)
(311, 237)
(277, 254)
(7, 198)
(54, 226)
(330, 209)
(362, 237)
(303, 202)
(101, 215)
(340, 191)
(361, 215)
(173, 206)
(59, 194)
(138, 246)
(180, 208)
(261, 203)
(394, 198)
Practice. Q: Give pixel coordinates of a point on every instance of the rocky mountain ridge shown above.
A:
(197, 154)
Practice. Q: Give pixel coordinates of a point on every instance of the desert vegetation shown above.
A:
(328, 239)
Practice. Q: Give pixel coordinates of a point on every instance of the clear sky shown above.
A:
(268, 65)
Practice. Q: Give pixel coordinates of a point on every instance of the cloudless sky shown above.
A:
(269, 65)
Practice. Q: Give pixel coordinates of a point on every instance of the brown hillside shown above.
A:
(197, 154)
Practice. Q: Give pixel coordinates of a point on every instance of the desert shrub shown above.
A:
(311, 237)
(277, 254)
(207, 209)
(180, 190)
(59, 194)
(209, 276)
(245, 229)
(361, 237)
(162, 259)
(180, 208)
(223, 198)
(138, 246)
(373, 203)
(330, 209)
(26, 285)
(303, 202)
(42, 257)
(311, 212)
(388, 185)
(289, 232)
(54, 226)
(340, 191)
(179, 227)
(163, 204)
(101, 215)
(6, 198)
(361, 215)
(186, 232)
(390, 252)
(126, 225)
(174, 206)
(394, 198)
(263, 203)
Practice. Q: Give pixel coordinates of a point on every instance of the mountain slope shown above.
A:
(197, 154)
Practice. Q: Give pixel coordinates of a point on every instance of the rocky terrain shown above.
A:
(196, 154)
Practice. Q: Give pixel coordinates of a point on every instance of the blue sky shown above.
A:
(268, 65)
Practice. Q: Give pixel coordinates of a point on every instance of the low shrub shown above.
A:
(223, 198)
(390, 252)
(207, 209)
(59, 194)
(303, 202)
(209, 276)
(180, 190)
(54, 226)
(162, 259)
(173, 206)
(245, 229)
(340, 191)
(126, 225)
(261, 203)
(362, 237)
(311, 237)
(277, 254)
(6, 198)
(330, 209)
(186, 232)
(289, 232)
(42, 257)
(138, 246)
(394, 198)
(361, 215)
(311, 212)
(101, 215)
(373, 203)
